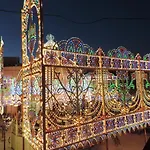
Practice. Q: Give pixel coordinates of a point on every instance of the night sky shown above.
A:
(108, 34)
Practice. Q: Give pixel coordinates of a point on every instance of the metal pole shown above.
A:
(23, 142)
(4, 137)
(43, 75)
(106, 142)
(22, 96)
(101, 83)
(23, 145)
(145, 135)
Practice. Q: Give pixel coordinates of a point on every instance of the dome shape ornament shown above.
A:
(50, 44)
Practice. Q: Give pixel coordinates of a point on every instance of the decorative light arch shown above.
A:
(31, 72)
(29, 38)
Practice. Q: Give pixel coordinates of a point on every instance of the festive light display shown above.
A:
(9, 89)
(18, 90)
(31, 73)
(87, 95)
(12, 90)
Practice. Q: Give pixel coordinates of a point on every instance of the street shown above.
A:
(127, 142)
(7, 140)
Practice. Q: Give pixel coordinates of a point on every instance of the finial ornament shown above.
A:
(50, 37)
(50, 42)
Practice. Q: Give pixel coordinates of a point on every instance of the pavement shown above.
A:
(127, 142)
(7, 140)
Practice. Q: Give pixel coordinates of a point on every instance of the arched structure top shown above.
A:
(120, 52)
(24, 2)
(32, 2)
(31, 31)
(75, 44)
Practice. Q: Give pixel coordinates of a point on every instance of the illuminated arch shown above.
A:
(31, 37)
(26, 15)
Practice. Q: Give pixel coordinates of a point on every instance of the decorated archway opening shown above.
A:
(32, 33)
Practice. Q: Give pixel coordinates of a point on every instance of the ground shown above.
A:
(7, 141)
(127, 142)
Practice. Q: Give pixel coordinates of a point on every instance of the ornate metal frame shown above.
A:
(87, 95)
(31, 70)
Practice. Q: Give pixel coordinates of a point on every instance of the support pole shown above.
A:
(23, 145)
(23, 140)
(106, 142)
(145, 135)
(141, 83)
(102, 88)
(4, 128)
(43, 75)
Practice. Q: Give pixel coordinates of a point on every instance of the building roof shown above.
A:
(11, 61)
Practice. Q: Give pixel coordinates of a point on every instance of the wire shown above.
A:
(10, 11)
(78, 22)
(95, 21)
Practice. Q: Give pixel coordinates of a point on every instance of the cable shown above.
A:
(76, 22)
(95, 21)
(10, 11)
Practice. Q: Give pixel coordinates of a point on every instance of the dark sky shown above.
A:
(108, 34)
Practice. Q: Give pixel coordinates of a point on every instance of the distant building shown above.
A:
(11, 61)
(12, 67)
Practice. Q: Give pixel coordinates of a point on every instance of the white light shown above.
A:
(1, 42)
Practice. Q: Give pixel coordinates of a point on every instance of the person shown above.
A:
(2, 125)
(147, 145)
(116, 140)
